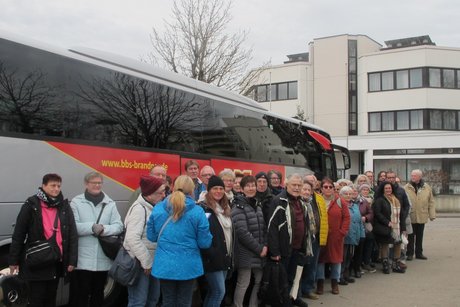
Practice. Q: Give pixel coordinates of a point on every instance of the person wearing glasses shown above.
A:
(339, 223)
(93, 265)
(274, 182)
(206, 173)
(146, 292)
(158, 171)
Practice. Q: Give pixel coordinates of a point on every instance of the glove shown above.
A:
(97, 229)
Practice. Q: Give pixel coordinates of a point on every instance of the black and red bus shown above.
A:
(77, 110)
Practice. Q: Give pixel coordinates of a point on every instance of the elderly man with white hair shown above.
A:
(423, 208)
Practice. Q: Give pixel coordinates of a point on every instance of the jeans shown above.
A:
(242, 284)
(309, 269)
(177, 293)
(216, 288)
(416, 238)
(145, 293)
(335, 271)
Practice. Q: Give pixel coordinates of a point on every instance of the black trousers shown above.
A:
(42, 293)
(416, 239)
(87, 288)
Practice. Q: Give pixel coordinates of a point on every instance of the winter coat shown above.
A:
(356, 231)
(382, 217)
(216, 257)
(265, 199)
(199, 188)
(136, 242)
(339, 223)
(422, 201)
(29, 228)
(366, 210)
(401, 195)
(90, 254)
(250, 232)
(178, 248)
(324, 224)
(281, 226)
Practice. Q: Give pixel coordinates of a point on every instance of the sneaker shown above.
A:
(311, 295)
(368, 268)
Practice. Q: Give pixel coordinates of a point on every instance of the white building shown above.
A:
(395, 107)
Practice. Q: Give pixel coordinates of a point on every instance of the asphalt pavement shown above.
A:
(426, 283)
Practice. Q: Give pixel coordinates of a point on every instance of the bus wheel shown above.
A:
(115, 295)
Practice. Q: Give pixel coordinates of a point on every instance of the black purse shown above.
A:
(43, 253)
(110, 244)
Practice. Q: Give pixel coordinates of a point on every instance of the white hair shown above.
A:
(417, 172)
(293, 176)
(345, 189)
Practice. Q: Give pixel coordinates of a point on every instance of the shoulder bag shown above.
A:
(110, 244)
(43, 253)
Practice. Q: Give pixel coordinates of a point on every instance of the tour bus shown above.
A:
(79, 110)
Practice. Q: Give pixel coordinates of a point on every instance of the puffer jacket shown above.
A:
(177, 256)
(29, 228)
(90, 254)
(422, 201)
(324, 224)
(356, 231)
(136, 242)
(250, 231)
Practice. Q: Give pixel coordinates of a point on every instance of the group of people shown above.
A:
(217, 232)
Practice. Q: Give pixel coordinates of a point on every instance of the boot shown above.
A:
(320, 286)
(335, 286)
(397, 267)
(386, 266)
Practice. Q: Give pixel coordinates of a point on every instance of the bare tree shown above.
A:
(196, 44)
(25, 99)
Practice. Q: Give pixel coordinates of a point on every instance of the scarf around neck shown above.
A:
(48, 200)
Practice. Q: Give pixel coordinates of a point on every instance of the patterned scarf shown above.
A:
(395, 213)
(48, 200)
(312, 226)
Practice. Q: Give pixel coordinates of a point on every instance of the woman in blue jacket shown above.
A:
(181, 229)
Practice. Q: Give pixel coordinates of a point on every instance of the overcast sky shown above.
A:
(276, 27)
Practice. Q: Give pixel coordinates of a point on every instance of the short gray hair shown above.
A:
(417, 172)
(293, 176)
(227, 173)
(92, 175)
(345, 189)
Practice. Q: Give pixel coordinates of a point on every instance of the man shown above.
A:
(192, 169)
(206, 173)
(264, 196)
(288, 231)
(423, 208)
(275, 178)
(158, 171)
(370, 176)
(320, 237)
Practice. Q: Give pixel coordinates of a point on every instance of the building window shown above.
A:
(352, 86)
(414, 120)
(274, 91)
(402, 79)
(374, 82)
(387, 81)
(414, 78)
(435, 77)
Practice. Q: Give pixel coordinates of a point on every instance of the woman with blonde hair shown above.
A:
(181, 229)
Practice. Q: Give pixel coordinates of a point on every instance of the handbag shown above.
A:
(368, 227)
(43, 253)
(110, 244)
(125, 270)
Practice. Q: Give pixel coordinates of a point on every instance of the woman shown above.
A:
(96, 215)
(217, 259)
(236, 186)
(228, 177)
(39, 216)
(339, 223)
(367, 217)
(274, 181)
(146, 291)
(354, 236)
(318, 227)
(250, 241)
(386, 226)
(181, 229)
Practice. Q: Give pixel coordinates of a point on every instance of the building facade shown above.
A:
(395, 107)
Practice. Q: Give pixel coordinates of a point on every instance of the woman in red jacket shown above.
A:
(339, 223)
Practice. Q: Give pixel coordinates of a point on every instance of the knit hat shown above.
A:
(261, 175)
(150, 184)
(215, 181)
(364, 185)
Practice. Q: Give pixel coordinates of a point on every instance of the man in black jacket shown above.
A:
(264, 195)
(287, 231)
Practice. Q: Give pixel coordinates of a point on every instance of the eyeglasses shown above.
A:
(274, 178)
(206, 175)
(95, 182)
(327, 187)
